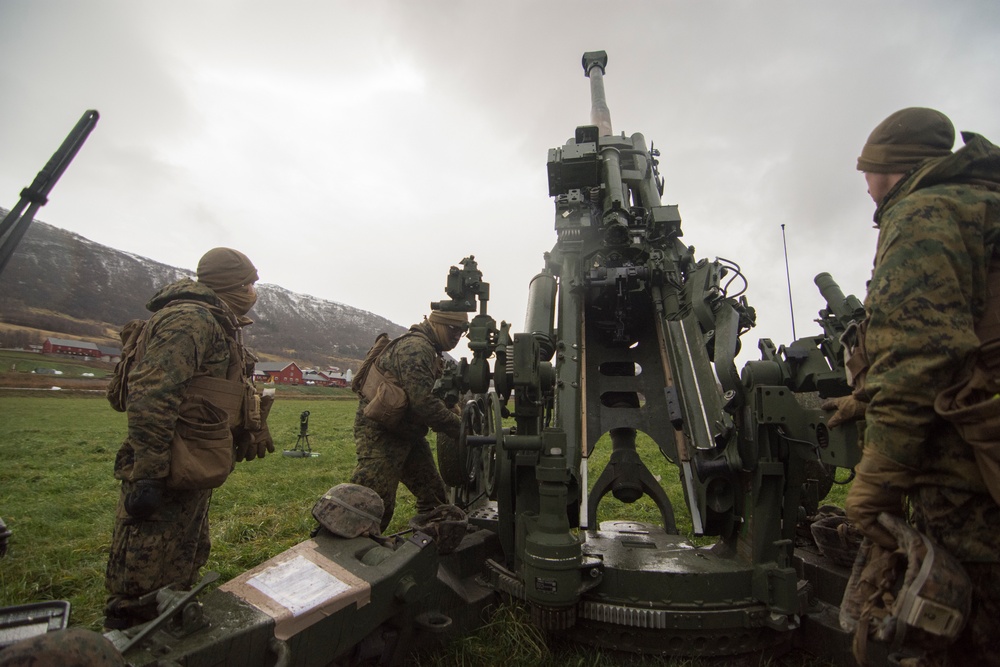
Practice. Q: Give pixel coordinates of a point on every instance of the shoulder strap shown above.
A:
(391, 345)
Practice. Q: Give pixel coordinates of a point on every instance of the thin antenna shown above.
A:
(788, 279)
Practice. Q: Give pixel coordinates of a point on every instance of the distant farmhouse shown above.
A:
(288, 372)
(80, 348)
(279, 373)
(324, 378)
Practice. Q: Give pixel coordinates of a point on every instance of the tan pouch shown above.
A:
(388, 404)
(973, 408)
(201, 452)
(974, 411)
(226, 395)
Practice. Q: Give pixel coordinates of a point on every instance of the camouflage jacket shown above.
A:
(186, 340)
(415, 361)
(938, 230)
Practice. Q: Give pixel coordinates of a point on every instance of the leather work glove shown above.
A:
(847, 408)
(242, 446)
(263, 442)
(263, 438)
(252, 445)
(878, 487)
(145, 498)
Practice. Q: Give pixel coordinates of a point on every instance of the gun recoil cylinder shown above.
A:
(540, 318)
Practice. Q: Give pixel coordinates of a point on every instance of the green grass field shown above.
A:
(58, 494)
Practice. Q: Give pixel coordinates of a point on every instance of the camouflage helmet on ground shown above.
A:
(71, 647)
(350, 510)
(445, 524)
(916, 598)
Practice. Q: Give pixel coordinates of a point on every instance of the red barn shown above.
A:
(76, 348)
(280, 373)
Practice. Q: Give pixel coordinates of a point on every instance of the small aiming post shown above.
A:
(302, 448)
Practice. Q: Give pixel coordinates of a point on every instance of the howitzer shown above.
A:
(626, 333)
(16, 222)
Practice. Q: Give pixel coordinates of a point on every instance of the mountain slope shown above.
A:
(59, 281)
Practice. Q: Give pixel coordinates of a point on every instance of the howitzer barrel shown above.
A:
(594, 63)
(845, 308)
(16, 222)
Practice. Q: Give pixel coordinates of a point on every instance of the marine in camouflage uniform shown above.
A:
(938, 215)
(388, 456)
(161, 535)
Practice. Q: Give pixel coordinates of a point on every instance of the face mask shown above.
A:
(240, 300)
(447, 337)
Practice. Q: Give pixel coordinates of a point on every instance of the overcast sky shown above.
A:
(356, 150)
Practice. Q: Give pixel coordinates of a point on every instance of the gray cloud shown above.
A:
(356, 150)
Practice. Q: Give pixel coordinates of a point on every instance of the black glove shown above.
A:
(243, 447)
(4, 537)
(255, 444)
(264, 442)
(145, 498)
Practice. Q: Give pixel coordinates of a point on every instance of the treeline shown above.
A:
(20, 338)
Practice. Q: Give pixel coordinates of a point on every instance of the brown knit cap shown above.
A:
(451, 318)
(222, 269)
(905, 139)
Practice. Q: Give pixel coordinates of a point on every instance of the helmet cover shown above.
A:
(350, 510)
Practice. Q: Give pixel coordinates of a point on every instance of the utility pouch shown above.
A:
(201, 452)
(252, 420)
(227, 395)
(361, 378)
(388, 402)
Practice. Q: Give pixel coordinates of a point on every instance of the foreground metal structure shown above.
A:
(627, 336)
(15, 224)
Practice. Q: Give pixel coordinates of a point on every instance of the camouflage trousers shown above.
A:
(384, 461)
(166, 549)
(967, 525)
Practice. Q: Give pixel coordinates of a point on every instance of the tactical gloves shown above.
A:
(252, 445)
(145, 498)
(847, 408)
(879, 486)
(256, 444)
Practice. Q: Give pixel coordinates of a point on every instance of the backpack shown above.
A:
(358, 381)
(134, 336)
(387, 401)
